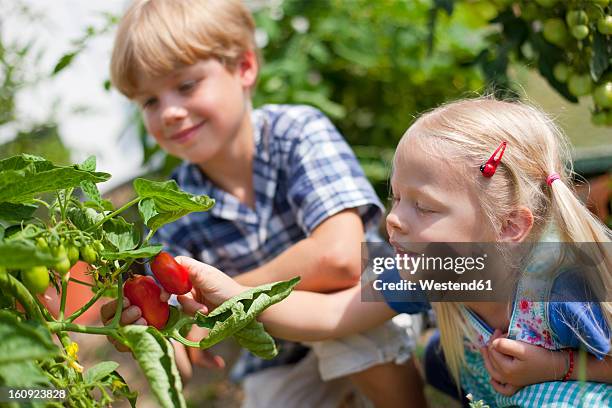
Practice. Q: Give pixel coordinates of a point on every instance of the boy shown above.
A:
(290, 196)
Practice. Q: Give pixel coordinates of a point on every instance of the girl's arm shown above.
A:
(302, 316)
(513, 364)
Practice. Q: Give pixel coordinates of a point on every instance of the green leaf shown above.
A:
(16, 212)
(84, 218)
(155, 356)
(144, 252)
(22, 374)
(99, 371)
(255, 339)
(64, 61)
(600, 60)
(20, 255)
(35, 163)
(21, 342)
(25, 183)
(91, 190)
(89, 164)
(237, 313)
(164, 202)
(123, 235)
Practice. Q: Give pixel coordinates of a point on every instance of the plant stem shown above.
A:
(82, 283)
(111, 215)
(117, 317)
(63, 301)
(82, 310)
(177, 336)
(56, 327)
(9, 284)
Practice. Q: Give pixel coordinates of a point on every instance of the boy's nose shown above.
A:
(173, 114)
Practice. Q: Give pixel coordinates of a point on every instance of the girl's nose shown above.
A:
(394, 223)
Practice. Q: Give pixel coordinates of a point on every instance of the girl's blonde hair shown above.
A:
(155, 37)
(468, 132)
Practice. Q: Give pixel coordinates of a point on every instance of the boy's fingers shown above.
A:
(509, 347)
(141, 322)
(164, 296)
(107, 310)
(130, 315)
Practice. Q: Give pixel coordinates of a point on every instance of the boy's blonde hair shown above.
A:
(155, 37)
(468, 132)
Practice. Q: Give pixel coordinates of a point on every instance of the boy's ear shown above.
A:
(517, 225)
(248, 69)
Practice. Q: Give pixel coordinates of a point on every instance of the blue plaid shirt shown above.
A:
(303, 173)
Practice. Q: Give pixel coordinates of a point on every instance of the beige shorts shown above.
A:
(318, 380)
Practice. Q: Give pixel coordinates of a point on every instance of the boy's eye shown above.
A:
(149, 102)
(187, 86)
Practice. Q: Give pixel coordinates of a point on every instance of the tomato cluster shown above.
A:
(69, 252)
(143, 292)
(582, 29)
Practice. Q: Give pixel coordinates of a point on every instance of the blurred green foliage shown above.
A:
(18, 59)
(372, 66)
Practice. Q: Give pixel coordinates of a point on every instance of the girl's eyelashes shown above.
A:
(423, 210)
(392, 199)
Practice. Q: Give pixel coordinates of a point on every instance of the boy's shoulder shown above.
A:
(291, 121)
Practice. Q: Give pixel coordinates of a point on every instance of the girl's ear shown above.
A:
(517, 225)
(248, 69)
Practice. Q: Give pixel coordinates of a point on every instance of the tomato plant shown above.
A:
(567, 41)
(44, 229)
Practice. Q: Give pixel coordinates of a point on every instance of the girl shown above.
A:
(471, 171)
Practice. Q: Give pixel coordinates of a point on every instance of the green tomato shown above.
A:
(98, 246)
(546, 3)
(60, 251)
(576, 17)
(580, 32)
(63, 266)
(36, 279)
(42, 244)
(88, 254)
(73, 254)
(561, 72)
(603, 95)
(555, 31)
(579, 85)
(604, 25)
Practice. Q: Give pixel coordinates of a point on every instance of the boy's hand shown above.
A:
(211, 287)
(131, 314)
(514, 364)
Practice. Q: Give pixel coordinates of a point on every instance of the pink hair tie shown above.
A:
(552, 177)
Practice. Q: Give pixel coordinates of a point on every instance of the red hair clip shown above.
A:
(488, 169)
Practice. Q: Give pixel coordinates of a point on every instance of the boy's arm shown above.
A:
(328, 260)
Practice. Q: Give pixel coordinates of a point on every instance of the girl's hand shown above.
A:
(211, 287)
(513, 364)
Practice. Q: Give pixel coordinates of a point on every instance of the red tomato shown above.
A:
(143, 292)
(170, 274)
